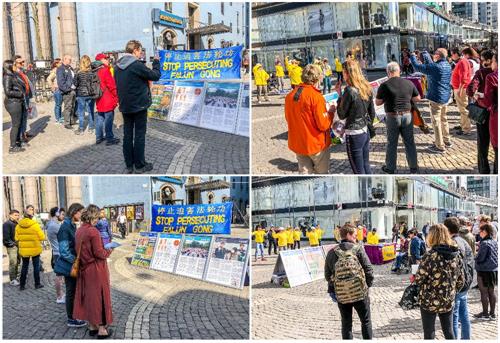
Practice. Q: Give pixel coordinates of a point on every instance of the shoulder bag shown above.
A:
(75, 268)
(477, 113)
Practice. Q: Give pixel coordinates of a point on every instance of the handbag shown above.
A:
(418, 120)
(409, 300)
(75, 268)
(369, 122)
(477, 113)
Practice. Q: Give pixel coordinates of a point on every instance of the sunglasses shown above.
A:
(20, 62)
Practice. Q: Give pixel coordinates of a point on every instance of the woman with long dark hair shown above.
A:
(15, 103)
(357, 108)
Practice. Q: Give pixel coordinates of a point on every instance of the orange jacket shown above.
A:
(308, 121)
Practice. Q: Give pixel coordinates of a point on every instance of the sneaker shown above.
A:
(458, 127)
(91, 130)
(99, 141)
(39, 286)
(413, 170)
(16, 149)
(147, 167)
(14, 283)
(463, 133)
(69, 127)
(130, 170)
(493, 316)
(448, 144)
(387, 171)
(434, 149)
(482, 316)
(79, 132)
(61, 300)
(22, 288)
(75, 323)
(113, 141)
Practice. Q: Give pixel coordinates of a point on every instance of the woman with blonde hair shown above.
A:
(93, 290)
(355, 105)
(84, 100)
(439, 278)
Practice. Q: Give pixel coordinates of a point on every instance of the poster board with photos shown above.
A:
(139, 212)
(220, 107)
(162, 96)
(228, 261)
(166, 252)
(130, 212)
(194, 256)
(144, 249)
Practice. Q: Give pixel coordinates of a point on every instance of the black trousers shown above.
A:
(272, 245)
(429, 321)
(134, 138)
(15, 110)
(483, 145)
(69, 107)
(36, 270)
(363, 309)
(296, 244)
(70, 295)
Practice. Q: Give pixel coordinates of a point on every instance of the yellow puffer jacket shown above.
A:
(260, 76)
(294, 72)
(29, 234)
(290, 236)
(280, 72)
(296, 235)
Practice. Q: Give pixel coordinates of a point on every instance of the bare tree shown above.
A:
(36, 21)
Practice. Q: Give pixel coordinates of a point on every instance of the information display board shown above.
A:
(194, 256)
(188, 102)
(144, 249)
(162, 95)
(220, 110)
(295, 266)
(197, 219)
(315, 261)
(166, 251)
(228, 261)
(243, 121)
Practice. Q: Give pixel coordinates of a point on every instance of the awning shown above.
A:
(209, 185)
(209, 30)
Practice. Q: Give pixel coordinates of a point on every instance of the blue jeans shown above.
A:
(461, 314)
(327, 85)
(104, 125)
(85, 104)
(396, 125)
(58, 99)
(399, 260)
(358, 151)
(259, 247)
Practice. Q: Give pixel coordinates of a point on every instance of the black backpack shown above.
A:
(95, 91)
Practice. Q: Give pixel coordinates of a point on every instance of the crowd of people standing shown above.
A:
(466, 76)
(88, 96)
(79, 259)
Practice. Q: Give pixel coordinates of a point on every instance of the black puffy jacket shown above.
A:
(351, 108)
(132, 83)
(83, 82)
(14, 87)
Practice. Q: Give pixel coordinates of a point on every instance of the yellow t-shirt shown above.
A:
(296, 235)
(294, 72)
(289, 236)
(282, 238)
(280, 72)
(338, 65)
(313, 238)
(360, 234)
(372, 238)
(259, 236)
(320, 232)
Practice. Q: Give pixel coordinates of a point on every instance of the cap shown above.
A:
(100, 56)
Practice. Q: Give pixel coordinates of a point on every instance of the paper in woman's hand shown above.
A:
(111, 245)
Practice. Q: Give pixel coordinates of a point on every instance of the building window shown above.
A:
(238, 22)
(209, 15)
(222, 8)
(168, 7)
(231, 27)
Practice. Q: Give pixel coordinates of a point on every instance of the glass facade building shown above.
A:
(378, 202)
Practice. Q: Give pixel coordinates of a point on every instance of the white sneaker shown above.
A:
(14, 283)
(61, 300)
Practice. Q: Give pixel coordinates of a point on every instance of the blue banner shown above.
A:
(212, 219)
(214, 64)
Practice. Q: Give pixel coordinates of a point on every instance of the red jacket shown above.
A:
(491, 101)
(462, 74)
(109, 99)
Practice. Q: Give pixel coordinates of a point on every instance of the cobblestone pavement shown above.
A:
(147, 304)
(270, 153)
(172, 148)
(307, 311)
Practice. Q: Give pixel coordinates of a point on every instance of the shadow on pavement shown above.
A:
(282, 136)
(265, 285)
(280, 162)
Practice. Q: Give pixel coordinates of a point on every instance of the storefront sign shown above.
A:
(214, 64)
(167, 19)
(197, 219)
(228, 261)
